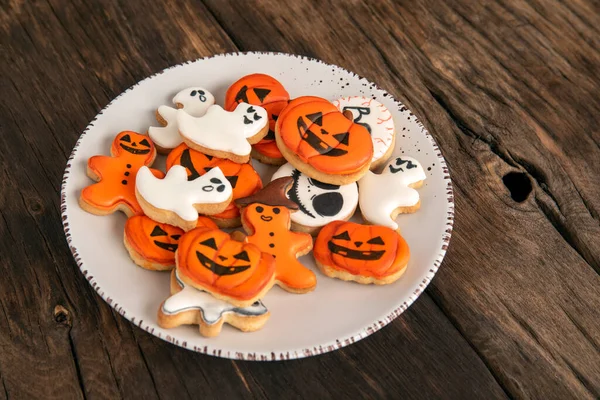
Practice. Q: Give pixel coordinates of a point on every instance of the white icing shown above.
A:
(194, 101)
(223, 130)
(175, 193)
(376, 116)
(212, 309)
(380, 194)
(320, 203)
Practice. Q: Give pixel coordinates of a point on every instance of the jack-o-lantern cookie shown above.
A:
(210, 260)
(377, 119)
(194, 101)
(175, 200)
(266, 219)
(225, 134)
(317, 139)
(243, 178)
(116, 175)
(383, 196)
(319, 203)
(190, 306)
(152, 245)
(267, 92)
(361, 253)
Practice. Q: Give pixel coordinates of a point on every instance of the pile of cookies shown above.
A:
(326, 152)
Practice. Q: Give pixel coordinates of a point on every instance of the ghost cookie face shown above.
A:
(194, 101)
(116, 175)
(210, 260)
(243, 178)
(377, 119)
(267, 92)
(190, 306)
(317, 139)
(362, 253)
(225, 134)
(383, 196)
(318, 203)
(152, 245)
(175, 200)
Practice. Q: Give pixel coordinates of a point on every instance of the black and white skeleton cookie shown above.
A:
(319, 203)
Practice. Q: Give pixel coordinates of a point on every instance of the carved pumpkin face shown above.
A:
(243, 178)
(319, 134)
(368, 250)
(267, 92)
(209, 258)
(132, 144)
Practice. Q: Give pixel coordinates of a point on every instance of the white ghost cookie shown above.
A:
(194, 101)
(176, 201)
(319, 203)
(377, 119)
(383, 196)
(225, 134)
(190, 306)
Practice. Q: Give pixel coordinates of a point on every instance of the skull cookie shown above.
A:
(225, 134)
(318, 203)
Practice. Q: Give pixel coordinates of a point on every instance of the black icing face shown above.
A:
(313, 136)
(251, 116)
(344, 246)
(143, 147)
(220, 269)
(217, 185)
(315, 198)
(159, 232)
(400, 165)
(200, 93)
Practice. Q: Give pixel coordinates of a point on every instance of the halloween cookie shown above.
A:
(383, 196)
(210, 260)
(116, 175)
(267, 92)
(377, 119)
(152, 245)
(266, 219)
(316, 138)
(225, 134)
(190, 306)
(194, 101)
(176, 201)
(361, 253)
(318, 202)
(243, 178)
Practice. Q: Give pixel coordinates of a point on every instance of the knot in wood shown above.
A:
(62, 316)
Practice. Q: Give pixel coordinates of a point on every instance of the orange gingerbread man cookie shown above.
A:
(266, 219)
(116, 174)
(267, 92)
(361, 253)
(243, 178)
(151, 244)
(210, 260)
(318, 140)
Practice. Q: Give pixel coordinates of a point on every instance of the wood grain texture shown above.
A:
(509, 86)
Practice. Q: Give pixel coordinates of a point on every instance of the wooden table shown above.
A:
(510, 91)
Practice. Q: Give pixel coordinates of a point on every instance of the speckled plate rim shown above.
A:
(379, 323)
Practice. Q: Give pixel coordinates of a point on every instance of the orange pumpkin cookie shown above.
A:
(243, 178)
(266, 219)
(210, 260)
(267, 92)
(362, 253)
(318, 140)
(190, 306)
(116, 175)
(152, 245)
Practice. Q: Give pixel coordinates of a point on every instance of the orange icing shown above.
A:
(319, 134)
(243, 178)
(116, 174)
(216, 263)
(269, 229)
(365, 250)
(265, 91)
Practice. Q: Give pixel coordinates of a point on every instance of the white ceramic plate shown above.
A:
(337, 313)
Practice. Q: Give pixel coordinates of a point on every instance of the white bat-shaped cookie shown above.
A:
(382, 197)
(176, 201)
